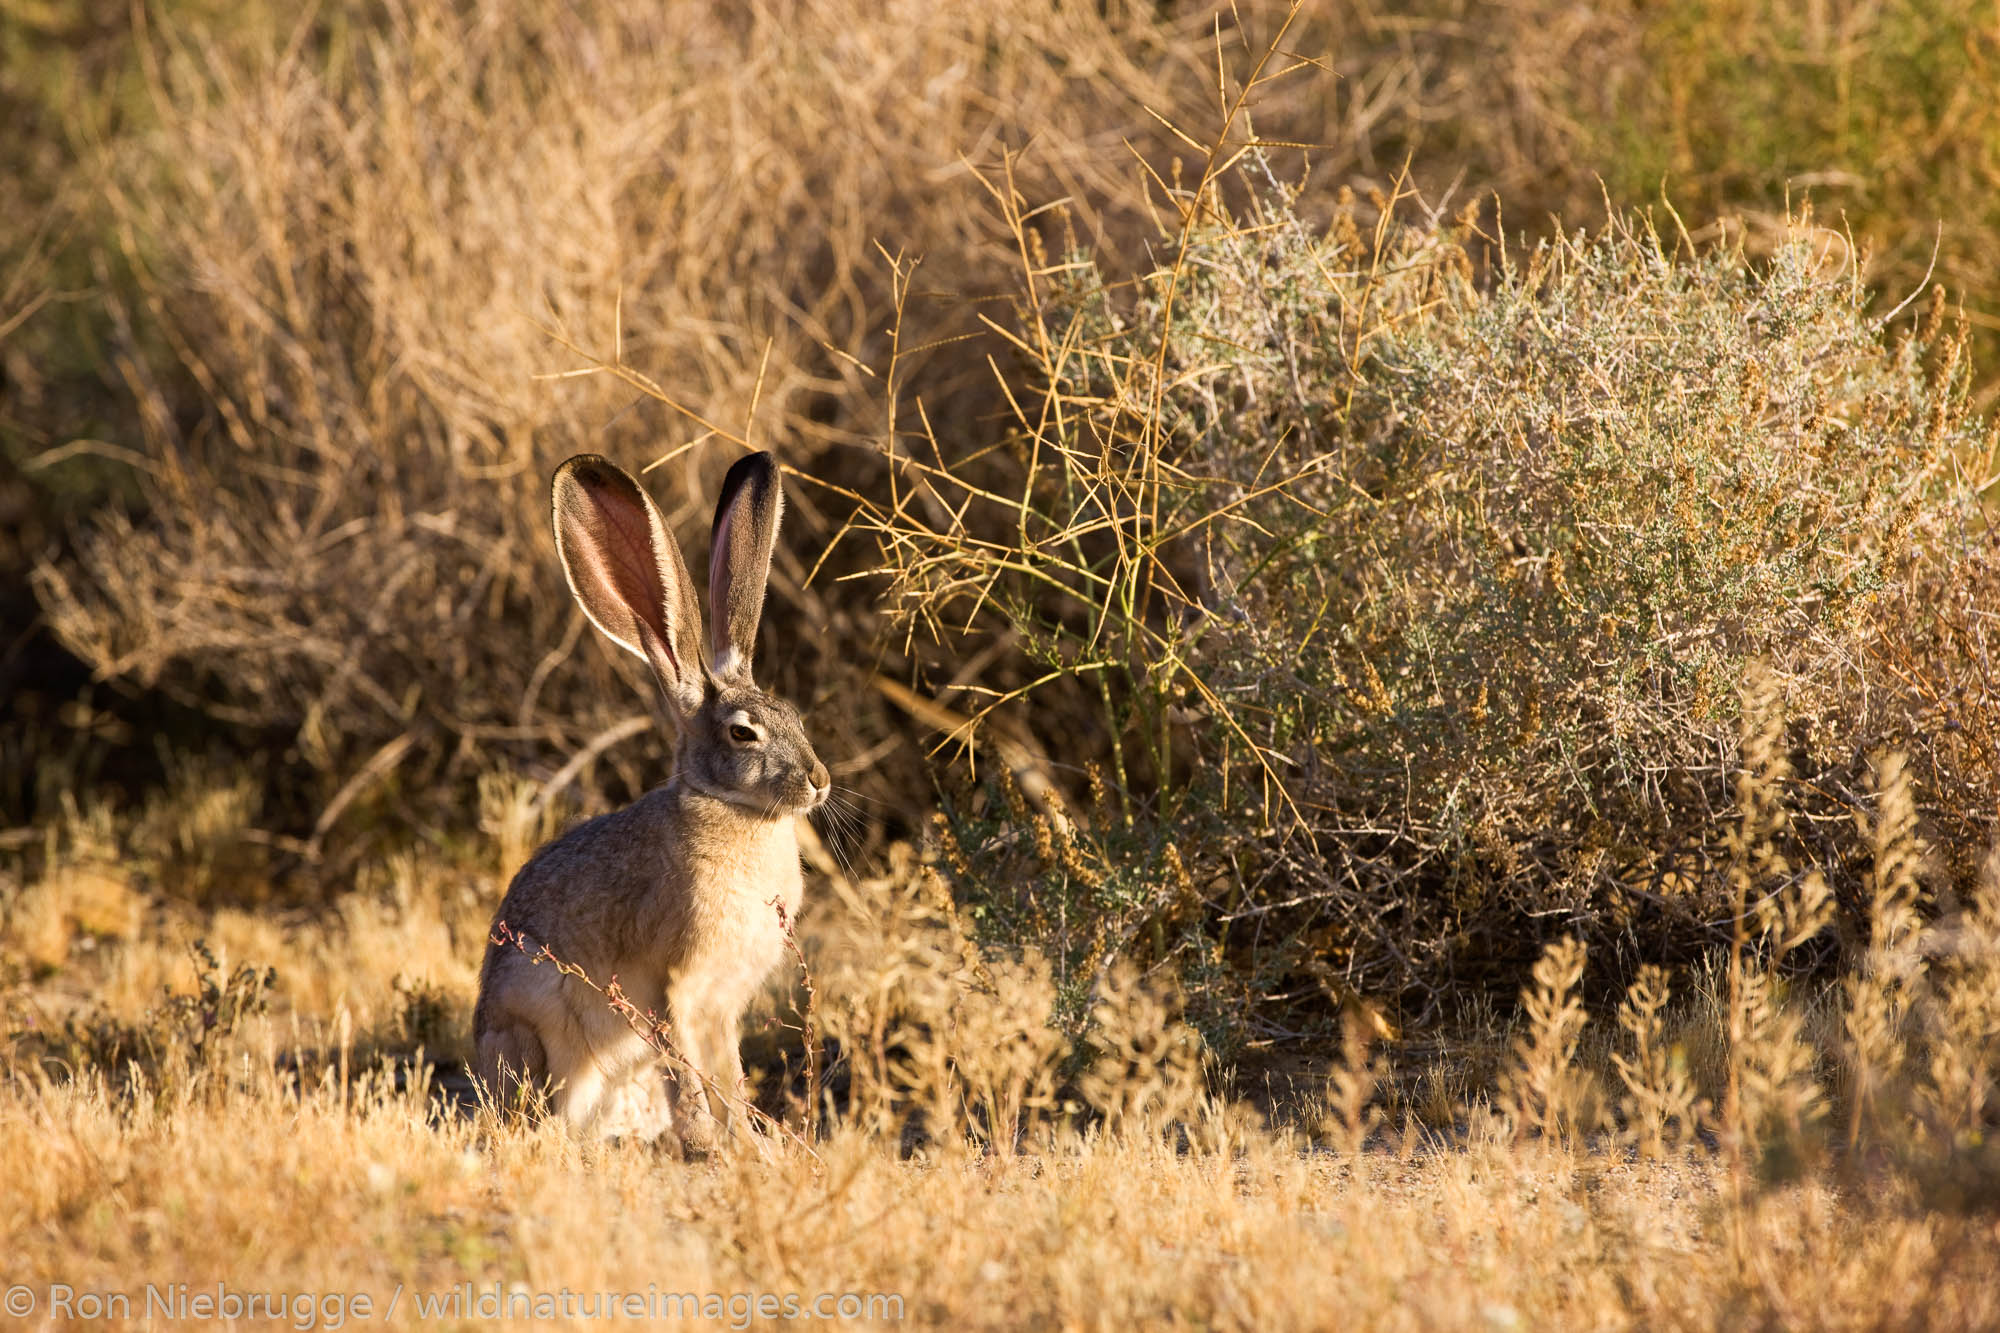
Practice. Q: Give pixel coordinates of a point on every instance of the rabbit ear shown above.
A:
(739, 560)
(626, 572)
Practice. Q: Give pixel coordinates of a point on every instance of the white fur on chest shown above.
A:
(734, 934)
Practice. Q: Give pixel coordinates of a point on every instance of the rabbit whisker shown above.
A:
(855, 794)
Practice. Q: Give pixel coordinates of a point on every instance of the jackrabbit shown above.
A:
(674, 894)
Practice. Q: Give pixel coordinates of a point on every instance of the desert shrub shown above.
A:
(1408, 613)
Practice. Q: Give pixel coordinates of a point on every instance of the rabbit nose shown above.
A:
(818, 776)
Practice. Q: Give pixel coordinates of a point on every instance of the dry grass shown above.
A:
(1105, 1234)
(988, 1173)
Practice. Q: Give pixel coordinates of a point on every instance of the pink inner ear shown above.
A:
(618, 553)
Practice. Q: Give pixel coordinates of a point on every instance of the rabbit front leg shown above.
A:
(688, 1076)
(729, 1089)
(713, 1090)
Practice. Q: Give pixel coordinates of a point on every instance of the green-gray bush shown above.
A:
(1437, 592)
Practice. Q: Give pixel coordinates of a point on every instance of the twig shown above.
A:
(810, 1018)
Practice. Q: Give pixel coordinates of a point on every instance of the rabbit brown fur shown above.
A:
(678, 894)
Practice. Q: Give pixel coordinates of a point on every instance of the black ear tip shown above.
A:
(592, 472)
(759, 471)
(760, 466)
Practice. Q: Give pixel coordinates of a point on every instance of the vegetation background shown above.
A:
(1398, 593)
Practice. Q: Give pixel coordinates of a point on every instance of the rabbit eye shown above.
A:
(742, 734)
